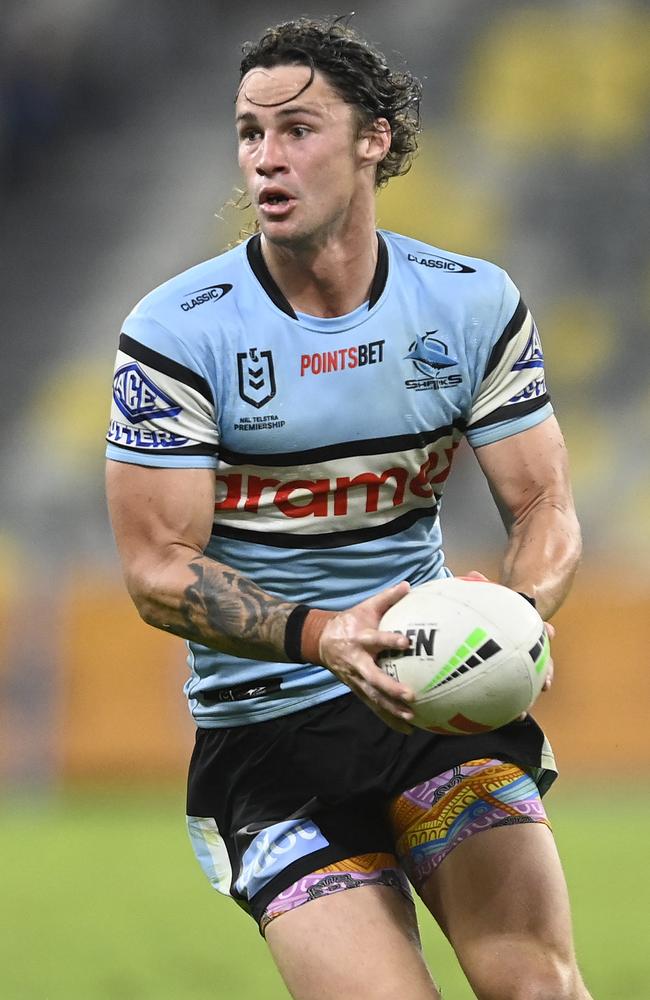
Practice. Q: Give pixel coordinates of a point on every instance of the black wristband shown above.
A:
(527, 597)
(293, 633)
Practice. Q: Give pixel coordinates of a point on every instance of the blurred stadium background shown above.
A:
(117, 156)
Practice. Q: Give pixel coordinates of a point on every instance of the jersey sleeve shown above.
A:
(512, 394)
(163, 408)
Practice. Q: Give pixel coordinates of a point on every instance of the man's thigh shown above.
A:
(476, 843)
(502, 901)
(352, 945)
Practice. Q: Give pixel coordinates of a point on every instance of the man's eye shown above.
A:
(299, 131)
(251, 135)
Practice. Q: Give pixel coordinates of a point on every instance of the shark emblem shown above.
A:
(429, 354)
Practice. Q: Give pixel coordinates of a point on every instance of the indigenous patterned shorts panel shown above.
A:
(435, 816)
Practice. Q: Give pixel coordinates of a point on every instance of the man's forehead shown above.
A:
(272, 87)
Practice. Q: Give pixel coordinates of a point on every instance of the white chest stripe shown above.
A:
(337, 495)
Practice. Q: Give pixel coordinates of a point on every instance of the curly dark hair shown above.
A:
(359, 73)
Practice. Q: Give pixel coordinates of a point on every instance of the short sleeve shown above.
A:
(163, 410)
(512, 395)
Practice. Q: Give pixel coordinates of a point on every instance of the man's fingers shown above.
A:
(392, 710)
(474, 575)
(386, 684)
(548, 680)
(550, 631)
(382, 689)
(375, 641)
(386, 598)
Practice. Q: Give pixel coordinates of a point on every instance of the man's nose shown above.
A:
(271, 157)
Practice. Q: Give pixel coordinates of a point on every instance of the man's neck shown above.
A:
(328, 279)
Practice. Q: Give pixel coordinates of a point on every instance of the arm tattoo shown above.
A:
(224, 610)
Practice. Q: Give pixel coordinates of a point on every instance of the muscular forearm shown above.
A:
(543, 553)
(202, 600)
(162, 520)
(207, 602)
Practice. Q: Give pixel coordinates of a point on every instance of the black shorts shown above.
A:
(271, 802)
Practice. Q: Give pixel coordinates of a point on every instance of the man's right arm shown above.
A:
(162, 520)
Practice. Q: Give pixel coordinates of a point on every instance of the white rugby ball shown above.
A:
(478, 657)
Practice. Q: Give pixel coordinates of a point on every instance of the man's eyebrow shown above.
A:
(299, 110)
(250, 116)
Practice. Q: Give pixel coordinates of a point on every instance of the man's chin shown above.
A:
(282, 232)
(287, 238)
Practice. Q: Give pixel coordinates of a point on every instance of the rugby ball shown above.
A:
(478, 656)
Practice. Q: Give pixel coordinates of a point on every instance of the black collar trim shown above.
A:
(263, 275)
(381, 272)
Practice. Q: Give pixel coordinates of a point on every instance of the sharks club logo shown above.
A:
(432, 360)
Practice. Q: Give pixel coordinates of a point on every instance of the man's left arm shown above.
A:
(528, 474)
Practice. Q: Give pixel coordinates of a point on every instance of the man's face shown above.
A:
(297, 152)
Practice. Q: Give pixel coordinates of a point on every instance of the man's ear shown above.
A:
(374, 141)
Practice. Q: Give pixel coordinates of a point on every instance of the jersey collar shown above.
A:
(263, 275)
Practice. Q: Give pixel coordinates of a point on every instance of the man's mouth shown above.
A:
(275, 202)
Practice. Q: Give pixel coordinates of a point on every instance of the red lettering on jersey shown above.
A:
(421, 485)
(449, 455)
(317, 506)
(312, 497)
(232, 483)
(255, 488)
(372, 482)
(345, 357)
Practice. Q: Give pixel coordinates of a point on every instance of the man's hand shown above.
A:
(349, 645)
(550, 631)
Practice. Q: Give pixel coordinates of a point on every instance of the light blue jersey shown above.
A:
(331, 439)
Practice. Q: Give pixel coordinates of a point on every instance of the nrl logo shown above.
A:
(256, 376)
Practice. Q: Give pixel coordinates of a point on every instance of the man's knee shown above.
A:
(526, 974)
